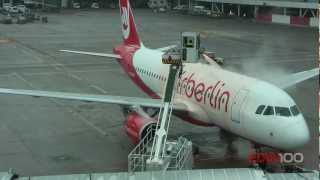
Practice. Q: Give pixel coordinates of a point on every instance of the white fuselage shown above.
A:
(226, 99)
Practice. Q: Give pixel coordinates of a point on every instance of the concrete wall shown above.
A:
(314, 22)
(280, 19)
(290, 20)
(299, 21)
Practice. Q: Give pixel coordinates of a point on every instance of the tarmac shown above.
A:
(40, 136)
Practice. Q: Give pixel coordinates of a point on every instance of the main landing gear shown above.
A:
(229, 138)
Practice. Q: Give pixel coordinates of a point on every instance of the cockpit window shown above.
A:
(269, 111)
(294, 110)
(282, 111)
(260, 109)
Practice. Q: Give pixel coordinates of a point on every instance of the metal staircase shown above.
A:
(154, 152)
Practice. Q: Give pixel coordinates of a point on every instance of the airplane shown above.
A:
(206, 94)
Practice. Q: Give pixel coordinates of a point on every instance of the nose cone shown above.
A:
(296, 134)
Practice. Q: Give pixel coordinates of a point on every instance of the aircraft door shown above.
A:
(236, 108)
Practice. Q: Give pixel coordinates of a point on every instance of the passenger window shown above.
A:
(282, 111)
(294, 110)
(269, 111)
(260, 109)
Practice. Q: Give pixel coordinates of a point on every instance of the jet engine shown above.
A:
(137, 126)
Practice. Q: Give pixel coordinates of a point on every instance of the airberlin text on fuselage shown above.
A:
(213, 95)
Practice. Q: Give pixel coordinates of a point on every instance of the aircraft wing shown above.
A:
(121, 100)
(167, 48)
(296, 78)
(94, 54)
(210, 61)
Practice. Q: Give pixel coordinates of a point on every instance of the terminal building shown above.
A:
(295, 12)
(58, 4)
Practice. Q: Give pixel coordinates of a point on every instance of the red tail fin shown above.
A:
(129, 32)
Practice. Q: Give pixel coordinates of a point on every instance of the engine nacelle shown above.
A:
(136, 126)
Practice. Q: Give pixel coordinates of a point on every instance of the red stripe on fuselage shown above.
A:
(127, 53)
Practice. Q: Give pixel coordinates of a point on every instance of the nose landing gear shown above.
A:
(256, 158)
